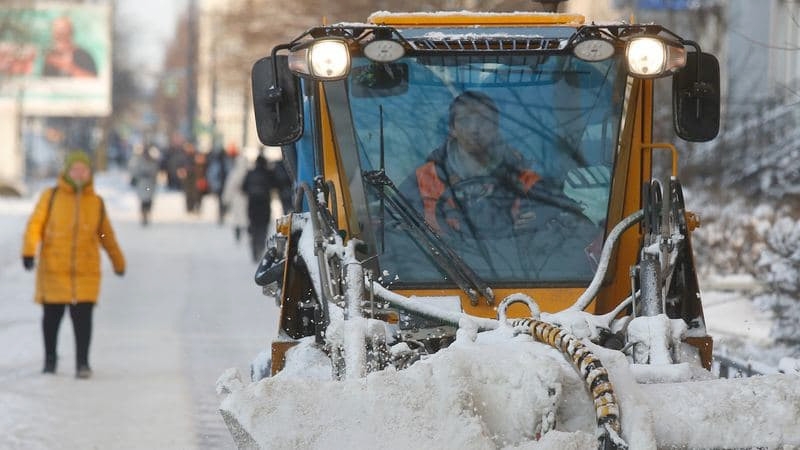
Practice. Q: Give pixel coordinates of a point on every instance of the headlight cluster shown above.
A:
(329, 58)
(325, 59)
(649, 57)
(646, 57)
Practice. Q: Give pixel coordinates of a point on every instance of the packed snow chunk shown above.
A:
(656, 339)
(560, 440)
(789, 365)
(467, 330)
(669, 373)
(471, 396)
(757, 412)
(306, 360)
(229, 381)
(260, 366)
(577, 323)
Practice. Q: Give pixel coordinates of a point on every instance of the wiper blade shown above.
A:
(443, 255)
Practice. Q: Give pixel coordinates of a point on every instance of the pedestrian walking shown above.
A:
(284, 185)
(257, 185)
(174, 162)
(201, 180)
(65, 232)
(192, 176)
(220, 163)
(234, 198)
(144, 168)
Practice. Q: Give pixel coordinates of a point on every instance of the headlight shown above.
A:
(650, 57)
(593, 50)
(325, 59)
(384, 50)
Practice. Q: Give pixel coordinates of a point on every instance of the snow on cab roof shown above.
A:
(442, 18)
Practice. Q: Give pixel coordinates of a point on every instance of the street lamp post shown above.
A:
(191, 72)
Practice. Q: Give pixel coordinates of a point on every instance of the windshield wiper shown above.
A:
(443, 255)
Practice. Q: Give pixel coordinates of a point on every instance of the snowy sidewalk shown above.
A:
(186, 310)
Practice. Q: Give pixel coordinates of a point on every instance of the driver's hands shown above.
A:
(525, 220)
(453, 221)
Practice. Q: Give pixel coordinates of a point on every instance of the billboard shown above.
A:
(674, 5)
(55, 58)
(665, 5)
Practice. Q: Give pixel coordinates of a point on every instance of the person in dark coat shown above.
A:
(174, 163)
(220, 164)
(193, 177)
(257, 186)
(284, 186)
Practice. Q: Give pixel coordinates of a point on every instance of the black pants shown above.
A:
(146, 206)
(258, 241)
(81, 314)
(258, 213)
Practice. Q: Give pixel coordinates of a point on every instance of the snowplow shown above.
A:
(573, 233)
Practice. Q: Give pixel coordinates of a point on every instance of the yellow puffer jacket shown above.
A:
(70, 228)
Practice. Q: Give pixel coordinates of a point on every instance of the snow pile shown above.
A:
(502, 391)
(473, 395)
(789, 365)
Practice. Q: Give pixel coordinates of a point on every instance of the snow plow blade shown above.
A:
(749, 412)
(241, 437)
(387, 410)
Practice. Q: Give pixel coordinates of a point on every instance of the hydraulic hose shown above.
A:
(605, 256)
(587, 365)
(594, 375)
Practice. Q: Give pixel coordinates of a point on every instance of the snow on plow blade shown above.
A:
(758, 412)
(507, 397)
(241, 437)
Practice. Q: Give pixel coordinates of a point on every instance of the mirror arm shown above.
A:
(697, 49)
(274, 55)
(699, 88)
(274, 92)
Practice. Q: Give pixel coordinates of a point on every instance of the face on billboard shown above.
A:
(57, 59)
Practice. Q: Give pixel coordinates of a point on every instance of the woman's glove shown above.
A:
(28, 262)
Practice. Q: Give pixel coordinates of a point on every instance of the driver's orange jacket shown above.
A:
(432, 187)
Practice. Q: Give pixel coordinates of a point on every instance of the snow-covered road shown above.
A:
(186, 310)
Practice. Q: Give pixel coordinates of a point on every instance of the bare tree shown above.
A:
(170, 98)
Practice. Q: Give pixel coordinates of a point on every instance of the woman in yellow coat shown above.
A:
(66, 229)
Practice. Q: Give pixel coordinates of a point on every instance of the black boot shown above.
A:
(49, 364)
(83, 371)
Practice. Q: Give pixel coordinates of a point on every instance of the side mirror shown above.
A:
(696, 98)
(276, 102)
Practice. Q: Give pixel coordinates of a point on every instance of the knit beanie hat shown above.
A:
(72, 158)
(75, 156)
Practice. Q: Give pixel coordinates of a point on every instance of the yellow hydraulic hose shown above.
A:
(591, 370)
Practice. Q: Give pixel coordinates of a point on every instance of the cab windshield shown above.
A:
(507, 159)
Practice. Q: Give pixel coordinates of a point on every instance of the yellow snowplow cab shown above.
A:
(466, 161)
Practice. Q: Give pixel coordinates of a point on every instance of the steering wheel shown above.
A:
(475, 207)
(486, 207)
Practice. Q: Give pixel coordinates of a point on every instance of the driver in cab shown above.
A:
(505, 219)
(474, 183)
